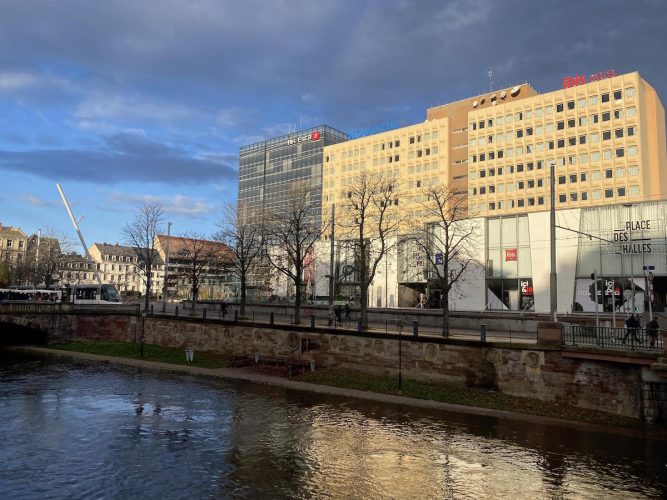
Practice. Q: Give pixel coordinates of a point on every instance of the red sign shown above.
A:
(510, 254)
(573, 81)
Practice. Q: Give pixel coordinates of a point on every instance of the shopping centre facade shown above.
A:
(606, 142)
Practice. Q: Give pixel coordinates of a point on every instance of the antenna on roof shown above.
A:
(490, 79)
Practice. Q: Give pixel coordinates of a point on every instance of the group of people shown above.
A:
(633, 324)
(336, 317)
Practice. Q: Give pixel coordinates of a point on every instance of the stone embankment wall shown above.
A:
(540, 373)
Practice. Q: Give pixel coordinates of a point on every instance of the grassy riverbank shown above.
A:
(152, 352)
(479, 398)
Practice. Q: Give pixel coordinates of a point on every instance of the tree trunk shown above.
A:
(363, 306)
(445, 312)
(297, 299)
(243, 298)
(147, 299)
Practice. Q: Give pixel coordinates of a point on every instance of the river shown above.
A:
(85, 430)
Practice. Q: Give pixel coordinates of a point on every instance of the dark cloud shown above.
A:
(123, 158)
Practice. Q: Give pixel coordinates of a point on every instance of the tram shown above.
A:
(75, 294)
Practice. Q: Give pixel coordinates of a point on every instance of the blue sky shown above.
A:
(144, 100)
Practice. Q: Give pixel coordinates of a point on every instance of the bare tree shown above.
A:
(291, 235)
(242, 232)
(53, 249)
(369, 223)
(140, 236)
(200, 258)
(447, 240)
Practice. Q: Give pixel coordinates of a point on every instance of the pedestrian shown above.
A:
(223, 309)
(652, 331)
(339, 315)
(631, 324)
(331, 315)
(347, 312)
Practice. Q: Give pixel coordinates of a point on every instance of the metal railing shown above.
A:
(620, 338)
(59, 308)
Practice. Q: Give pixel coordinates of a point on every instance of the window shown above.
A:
(519, 203)
(529, 166)
(631, 112)
(606, 116)
(560, 125)
(562, 198)
(529, 131)
(572, 160)
(634, 190)
(571, 122)
(584, 196)
(559, 107)
(482, 173)
(620, 153)
(492, 189)
(595, 156)
(582, 176)
(570, 104)
(540, 164)
(608, 193)
(549, 128)
(482, 190)
(605, 97)
(531, 184)
(617, 94)
(9, 243)
(397, 143)
(481, 124)
(561, 143)
(595, 137)
(632, 131)
(412, 139)
(519, 133)
(620, 172)
(595, 175)
(582, 139)
(518, 116)
(582, 121)
(618, 114)
(581, 103)
(519, 167)
(593, 100)
(561, 179)
(633, 170)
(540, 182)
(540, 200)
(573, 196)
(520, 185)
(596, 194)
(630, 92)
(608, 174)
(593, 118)
(632, 150)
(500, 153)
(618, 133)
(573, 178)
(606, 154)
(606, 135)
(489, 122)
(492, 172)
(572, 141)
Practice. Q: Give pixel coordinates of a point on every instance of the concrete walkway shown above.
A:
(239, 374)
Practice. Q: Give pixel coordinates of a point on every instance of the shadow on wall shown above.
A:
(11, 334)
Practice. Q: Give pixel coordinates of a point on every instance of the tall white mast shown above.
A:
(76, 228)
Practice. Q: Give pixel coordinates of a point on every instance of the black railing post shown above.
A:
(236, 314)
(204, 313)
(482, 332)
(415, 328)
(151, 309)
(176, 314)
(271, 318)
(312, 321)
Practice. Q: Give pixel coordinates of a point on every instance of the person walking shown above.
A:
(223, 309)
(652, 328)
(339, 315)
(631, 325)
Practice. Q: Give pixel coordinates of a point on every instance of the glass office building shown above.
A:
(270, 170)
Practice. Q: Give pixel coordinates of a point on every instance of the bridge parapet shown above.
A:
(52, 308)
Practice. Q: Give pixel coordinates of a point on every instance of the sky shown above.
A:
(135, 101)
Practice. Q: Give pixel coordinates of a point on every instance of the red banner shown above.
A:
(510, 254)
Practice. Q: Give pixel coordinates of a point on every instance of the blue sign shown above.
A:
(373, 129)
(649, 268)
(438, 259)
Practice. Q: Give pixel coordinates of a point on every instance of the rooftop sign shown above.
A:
(573, 81)
(373, 129)
(313, 136)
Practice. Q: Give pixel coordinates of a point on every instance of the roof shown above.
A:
(179, 245)
(12, 231)
(109, 249)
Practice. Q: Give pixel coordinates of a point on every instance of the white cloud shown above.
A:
(16, 80)
(104, 107)
(174, 204)
(37, 201)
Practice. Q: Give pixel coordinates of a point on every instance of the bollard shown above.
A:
(271, 318)
(176, 314)
(415, 328)
(256, 357)
(189, 355)
(204, 313)
(312, 321)
(236, 314)
(482, 332)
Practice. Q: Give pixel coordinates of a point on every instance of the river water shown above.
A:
(81, 430)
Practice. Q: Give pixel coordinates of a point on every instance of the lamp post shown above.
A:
(166, 267)
(553, 277)
(39, 236)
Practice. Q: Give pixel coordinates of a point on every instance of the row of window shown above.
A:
(596, 175)
(606, 154)
(499, 138)
(596, 194)
(548, 110)
(10, 243)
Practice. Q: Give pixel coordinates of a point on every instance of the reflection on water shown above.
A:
(82, 430)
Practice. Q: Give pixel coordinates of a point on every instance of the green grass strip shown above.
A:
(152, 352)
(481, 398)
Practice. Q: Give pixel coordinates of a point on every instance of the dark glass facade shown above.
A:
(269, 170)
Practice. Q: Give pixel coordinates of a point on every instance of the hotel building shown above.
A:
(606, 141)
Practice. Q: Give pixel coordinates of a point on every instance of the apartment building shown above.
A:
(119, 265)
(13, 244)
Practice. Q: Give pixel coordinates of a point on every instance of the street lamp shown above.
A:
(39, 236)
(553, 277)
